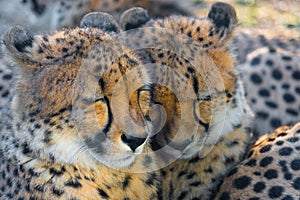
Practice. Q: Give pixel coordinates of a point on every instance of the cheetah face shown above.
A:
(72, 91)
(203, 97)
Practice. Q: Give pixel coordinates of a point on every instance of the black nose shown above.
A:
(132, 142)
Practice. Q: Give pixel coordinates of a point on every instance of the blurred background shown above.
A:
(272, 16)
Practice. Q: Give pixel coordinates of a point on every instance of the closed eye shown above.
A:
(205, 98)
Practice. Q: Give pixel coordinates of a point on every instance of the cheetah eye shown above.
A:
(205, 98)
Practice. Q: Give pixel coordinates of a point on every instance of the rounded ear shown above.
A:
(100, 20)
(223, 16)
(18, 41)
(134, 18)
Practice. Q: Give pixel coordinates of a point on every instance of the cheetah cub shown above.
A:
(65, 142)
(206, 130)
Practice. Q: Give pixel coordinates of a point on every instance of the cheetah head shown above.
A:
(65, 92)
(203, 98)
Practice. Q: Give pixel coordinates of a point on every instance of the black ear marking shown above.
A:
(17, 39)
(223, 16)
(134, 18)
(100, 20)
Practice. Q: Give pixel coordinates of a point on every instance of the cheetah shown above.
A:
(45, 152)
(271, 169)
(204, 156)
(198, 177)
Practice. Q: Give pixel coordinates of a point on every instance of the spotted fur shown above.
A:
(271, 77)
(271, 169)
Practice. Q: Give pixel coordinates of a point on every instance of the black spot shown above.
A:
(273, 87)
(265, 148)
(275, 191)
(251, 163)
(225, 196)
(5, 94)
(55, 171)
(291, 112)
(293, 139)
(285, 86)
(195, 159)
(277, 74)
(161, 55)
(257, 173)
(296, 75)
(250, 154)
(259, 187)
(288, 176)
(57, 192)
(191, 175)
(73, 183)
(242, 182)
(288, 67)
(264, 93)
(26, 149)
(296, 183)
(289, 98)
(286, 58)
(233, 171)
(39, 188)
(297, 90)
(295, 164)
(191, 70)
(152, 177)
(262, 115)
(255, 61)
(271, 104)
(181, 173)
(7, 77)
(266, 161)
(271, 174)
(287, 197)
(9, 182)
(182, 195)
(16, 172)
(102, 193)
(255, 78)
(269, 63)
(271, 139)
(286, 151)
(229, 160)
(275, 122)
(195, 184)
(272, 50)
(125, 183)
(45, 38)
(282, 134)
(46, 121)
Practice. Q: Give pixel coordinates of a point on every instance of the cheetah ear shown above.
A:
(18, 42)
(100, 20)
(134, 18)
(224, 17)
